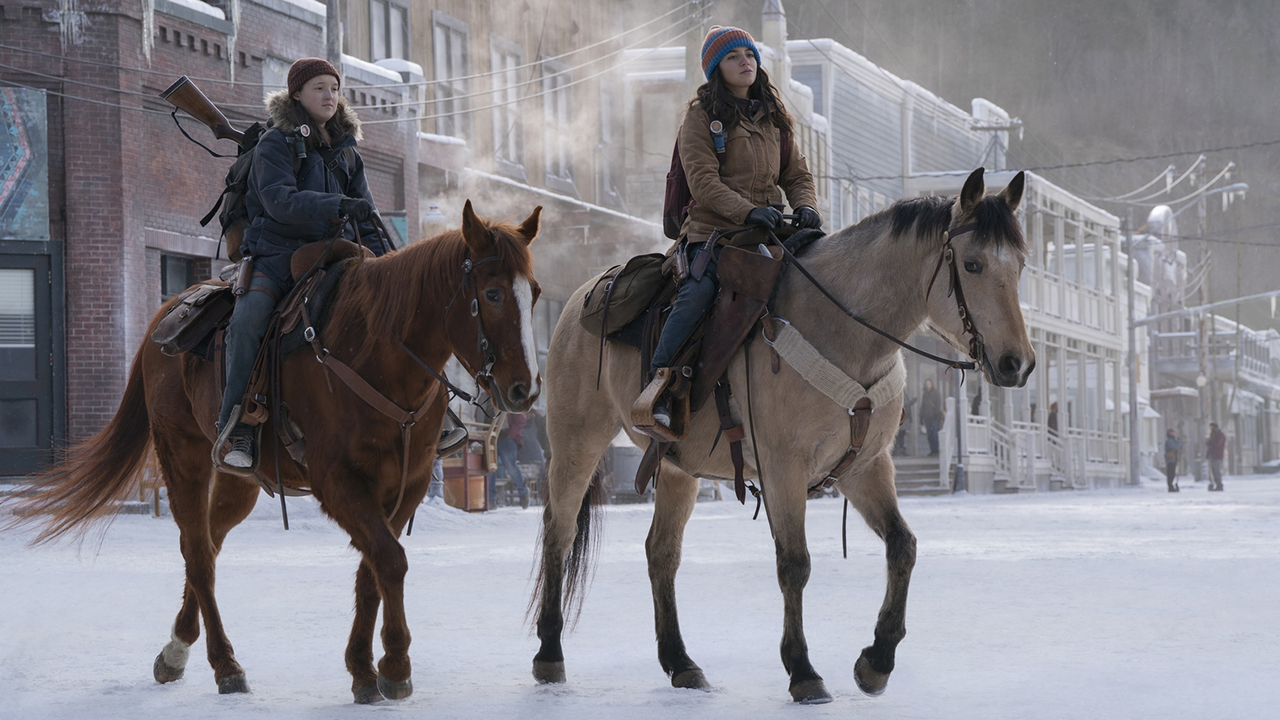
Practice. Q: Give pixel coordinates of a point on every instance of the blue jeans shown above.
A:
(931, 429)
(693, 299)
(245, 332)
(507, 452)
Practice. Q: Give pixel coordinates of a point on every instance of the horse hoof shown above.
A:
(393, 690)
(548, 672)
(233, 684)
(869, 681)
(164, 672)
(810, 692)
(691, 679)
(366, 694)
(172, 661)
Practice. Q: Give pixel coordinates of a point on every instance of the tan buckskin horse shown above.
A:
(881, 269)
(421, 296)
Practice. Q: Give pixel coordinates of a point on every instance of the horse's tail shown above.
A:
(579, 563)
(95, 475)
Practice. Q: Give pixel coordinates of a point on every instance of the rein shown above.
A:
(948, 254)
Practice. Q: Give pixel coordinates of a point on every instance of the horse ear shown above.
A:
(1012, 193)
(974, 188)
(529, 228)
(474, 231)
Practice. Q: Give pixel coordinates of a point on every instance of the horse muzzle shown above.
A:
(1010, 370)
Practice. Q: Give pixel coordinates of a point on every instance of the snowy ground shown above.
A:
(1124, 604)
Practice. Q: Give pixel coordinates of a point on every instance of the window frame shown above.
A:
(454, 120)
(556, 79)
(388, 30)
(508, 114)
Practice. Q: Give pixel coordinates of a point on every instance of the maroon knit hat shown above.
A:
(303, 70)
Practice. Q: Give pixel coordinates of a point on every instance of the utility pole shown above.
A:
(333, 34)
(1202, 342)
(1134, 421)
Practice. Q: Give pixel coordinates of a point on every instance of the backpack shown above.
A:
(235, 215)
(677, 200)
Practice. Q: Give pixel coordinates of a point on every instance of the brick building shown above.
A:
(125, 190)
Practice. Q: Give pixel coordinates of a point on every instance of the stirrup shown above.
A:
(451, 442)
(224, 434)
(642, 419)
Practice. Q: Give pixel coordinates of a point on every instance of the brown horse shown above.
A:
(882, 268)
(439, 297)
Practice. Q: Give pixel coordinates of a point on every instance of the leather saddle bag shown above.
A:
(193, 316)
(622, 293)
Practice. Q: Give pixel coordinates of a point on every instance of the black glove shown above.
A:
(765, 217)
(807, 217)
(358, 208)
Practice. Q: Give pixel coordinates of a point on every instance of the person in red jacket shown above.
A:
(1217, 450)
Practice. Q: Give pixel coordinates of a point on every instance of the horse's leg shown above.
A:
(359, 656)
(185, 463)
(675, 494)
(379, 578)
(785, 503)
(874, 496)
(576, 451)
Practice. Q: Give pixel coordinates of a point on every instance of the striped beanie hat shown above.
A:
(720, 40)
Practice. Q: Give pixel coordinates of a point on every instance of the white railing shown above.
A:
(947, 444)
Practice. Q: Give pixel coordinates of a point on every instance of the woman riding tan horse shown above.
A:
(884, 269)
(468, 292)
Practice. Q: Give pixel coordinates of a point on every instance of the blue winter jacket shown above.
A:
(286, 211)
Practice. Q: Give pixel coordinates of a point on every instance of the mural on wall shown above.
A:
(24, 165)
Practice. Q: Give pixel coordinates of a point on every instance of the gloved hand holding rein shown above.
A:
(357, 208)
(807, 217)
(766, 216)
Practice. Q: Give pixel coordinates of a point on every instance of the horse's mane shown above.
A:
(385, 294)
(929, 216)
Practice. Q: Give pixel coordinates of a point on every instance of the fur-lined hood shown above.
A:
(287, 116)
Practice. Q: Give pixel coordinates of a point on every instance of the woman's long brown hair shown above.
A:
(715, 97)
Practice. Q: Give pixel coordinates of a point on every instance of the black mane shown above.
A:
(930, 216)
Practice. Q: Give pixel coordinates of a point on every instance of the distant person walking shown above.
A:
(931, 414)
(1172, 447)
(1053, 419)
(1217, 450)
(509, 443)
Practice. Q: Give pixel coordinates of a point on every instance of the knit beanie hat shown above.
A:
(720, 40)
(303, 70)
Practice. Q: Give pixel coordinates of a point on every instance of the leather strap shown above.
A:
(361, 387)
(734, 433)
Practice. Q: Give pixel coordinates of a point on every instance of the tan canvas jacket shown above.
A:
(722, 196)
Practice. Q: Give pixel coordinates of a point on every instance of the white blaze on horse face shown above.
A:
(524, 301)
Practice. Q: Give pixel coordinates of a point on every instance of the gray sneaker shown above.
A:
(662, 416)
(241, 453)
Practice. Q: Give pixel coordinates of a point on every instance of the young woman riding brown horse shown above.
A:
(733, 186)
(468, 292)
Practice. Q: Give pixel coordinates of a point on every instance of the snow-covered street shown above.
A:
(1105, 604)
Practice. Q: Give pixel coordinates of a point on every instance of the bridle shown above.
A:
(482, 339)
(977, 348)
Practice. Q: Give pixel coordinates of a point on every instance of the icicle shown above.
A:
(148, 28)
(233, 14)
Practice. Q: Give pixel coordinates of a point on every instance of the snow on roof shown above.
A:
(318, 8)
(205, 8)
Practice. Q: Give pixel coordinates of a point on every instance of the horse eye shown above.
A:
(493, 295)
(972, 266)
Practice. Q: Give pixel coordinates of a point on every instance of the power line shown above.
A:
(534, 95)
(423, 83)
(533, 79)
(88, 100)
(1064, 166)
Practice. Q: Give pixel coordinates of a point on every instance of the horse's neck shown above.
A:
(880, 281)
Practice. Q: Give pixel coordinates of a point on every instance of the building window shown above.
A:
(452, 64)
(508, 127)
(177, 273)
(388, 30)
(556, 143)
(608, 154)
